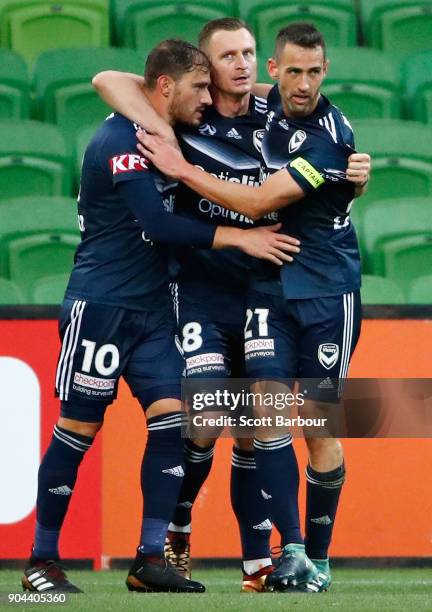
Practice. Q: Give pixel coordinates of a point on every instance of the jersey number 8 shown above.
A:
(192, 339)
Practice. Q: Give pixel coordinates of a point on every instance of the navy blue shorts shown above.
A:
(212, 348)
(310, 340)
(101, 343)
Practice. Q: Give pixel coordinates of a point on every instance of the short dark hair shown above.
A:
(173, 57)
(302, 34)
(230, 24)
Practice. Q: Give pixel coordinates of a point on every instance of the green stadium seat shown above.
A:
(402, 157)
(33, 26)
(384, 220)
(336, 19)
(408, 258)
(380, 290)
(362, 93)
(420, 291)
(49, 289)
(14, 86)
(38, 255)
(418, 86)
(62, 82)
(150, 22)
(10, 293)
(400, 26)
(22, 217)
(262, 72)
(175, 16)
(33, 160)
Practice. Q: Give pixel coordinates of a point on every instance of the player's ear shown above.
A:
(165, 85)
(272, 68)
(326, 66)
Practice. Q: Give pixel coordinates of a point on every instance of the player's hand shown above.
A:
(266, 243)
(162, 154)
(359, 167)
(168, 135)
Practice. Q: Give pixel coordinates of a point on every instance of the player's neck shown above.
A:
(229, 105)
(160, 104)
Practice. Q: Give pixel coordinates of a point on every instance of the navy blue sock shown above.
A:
(322, 498)
(56, 480)
(198, 462)
(279, 478)
(161, 477)
(251, 509)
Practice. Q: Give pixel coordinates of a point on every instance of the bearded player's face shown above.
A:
(190, 97)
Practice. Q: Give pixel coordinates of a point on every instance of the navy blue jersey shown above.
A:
(229, 148)
(115, 262)
(315, 151)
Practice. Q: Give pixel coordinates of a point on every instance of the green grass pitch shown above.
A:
(352, 590)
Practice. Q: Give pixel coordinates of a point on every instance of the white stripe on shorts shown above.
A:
(175, 299)
(64, 347)
(348, 304)
(72, 355)
(66, 359)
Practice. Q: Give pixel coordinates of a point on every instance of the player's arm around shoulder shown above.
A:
(123, 91)
(277, 191)
(262, 90)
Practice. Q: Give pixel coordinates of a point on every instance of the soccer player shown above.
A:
(312, 306)
(117, 320)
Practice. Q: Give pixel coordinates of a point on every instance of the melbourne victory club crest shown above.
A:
(328, 355)
(296, 141)
(207, 130)
(258, 136)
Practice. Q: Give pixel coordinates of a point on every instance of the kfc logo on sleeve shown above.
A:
(129, 162)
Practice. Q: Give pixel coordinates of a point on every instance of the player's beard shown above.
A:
(298, 110)
(180, 113)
